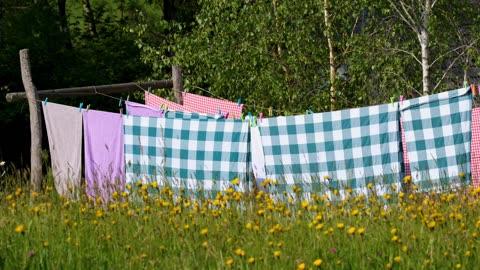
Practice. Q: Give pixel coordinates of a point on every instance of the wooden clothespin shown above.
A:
(270, 111)
(472, 87)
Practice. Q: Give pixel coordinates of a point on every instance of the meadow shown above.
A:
(147, 227)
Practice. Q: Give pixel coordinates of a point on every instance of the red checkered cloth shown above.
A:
(208, 105)
(406, 162)
(475, 148)
(155, 101)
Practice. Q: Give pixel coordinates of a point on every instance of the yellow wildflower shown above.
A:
(229, 262)
(204, 232)
(340, 226)
(251, 260)
(318, 262)
(20, 229)
(351, 230)
(397, 259)
(407, 179)
(235, 181)
(361, 231)
(301, 266)
(240, 252)
(277, 253)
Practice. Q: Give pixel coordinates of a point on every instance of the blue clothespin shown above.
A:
(88, 107)
(219, 112)
(128, 111)
(45, 102)
(239, 102)
(80, 107)
(310, 111)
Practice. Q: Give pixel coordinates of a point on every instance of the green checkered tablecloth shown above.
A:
(352, 147)
(438, 135)
(198, 156)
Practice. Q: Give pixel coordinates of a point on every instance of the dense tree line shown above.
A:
(283, 55)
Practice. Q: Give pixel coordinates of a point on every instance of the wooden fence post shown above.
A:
(177, 79)
(35, 122)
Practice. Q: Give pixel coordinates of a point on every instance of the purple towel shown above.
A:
(104, 155)
(64, 130)
(137, 109)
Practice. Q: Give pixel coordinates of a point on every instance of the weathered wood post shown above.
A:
(35, 122)
(177, 79)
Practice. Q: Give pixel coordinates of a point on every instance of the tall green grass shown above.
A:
(141, 230)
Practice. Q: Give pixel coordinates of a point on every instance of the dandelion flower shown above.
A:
(361, 231)
(229, 262)
(204, 232)
(301, 266)
(340, 226)
(431, 225)
(235, 181)
(397, 259)
(461, 175)
(458, 266)
(318, 262)
(20, 229)
(351, 230)
(205, 244)
(251, 260)
(388, 266)
(277, 253)
(240, 252)
(45, 244)
(407, 179)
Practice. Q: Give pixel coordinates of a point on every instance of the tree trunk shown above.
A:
(168, 10)
(35, 122)
(331, 56)
(177, 84)
(425, 68)
(64, 23)
(87, 12)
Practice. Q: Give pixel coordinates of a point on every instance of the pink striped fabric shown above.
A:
(475, 148)
(155, 101)
(201, 104)
(406, 162)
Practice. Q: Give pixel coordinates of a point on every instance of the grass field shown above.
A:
(140, 229)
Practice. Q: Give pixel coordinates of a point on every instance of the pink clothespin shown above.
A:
(261, 117)
(401, 99)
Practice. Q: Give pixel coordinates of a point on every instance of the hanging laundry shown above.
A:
(406, 162)
(438, 136)
(334, 152)
(64, 130)
(201, 104)
(191, 115)
(155, 101)
(104, 154)
(475, 158)
(138, 109)
(258, 162)
(195, 156)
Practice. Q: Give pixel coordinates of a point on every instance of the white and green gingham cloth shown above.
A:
(438, 135)
(330, 151)
(197, 156)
